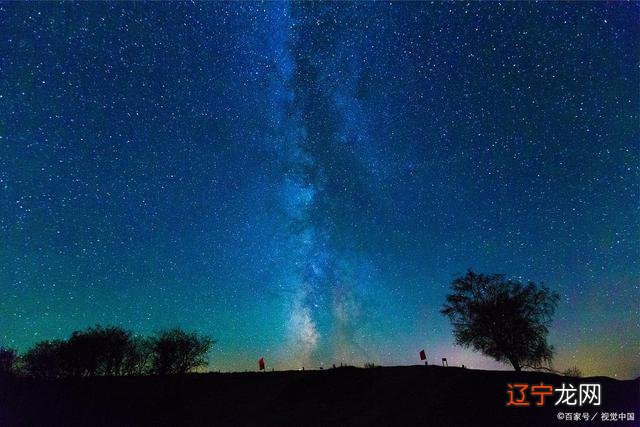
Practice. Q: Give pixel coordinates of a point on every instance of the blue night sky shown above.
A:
(303, 181)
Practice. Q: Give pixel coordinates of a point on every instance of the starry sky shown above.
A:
(302, 181)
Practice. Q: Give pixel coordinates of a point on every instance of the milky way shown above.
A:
(317, 286)
(302, 181)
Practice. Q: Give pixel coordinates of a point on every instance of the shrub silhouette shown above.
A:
(503, 319)
(573, 371)
(98, 351)
(113, 351)
(175, 351)
(95, 351)
(138, 355)
(8, 358)
(47, 359)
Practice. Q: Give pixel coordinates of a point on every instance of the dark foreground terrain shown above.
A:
(412, 395)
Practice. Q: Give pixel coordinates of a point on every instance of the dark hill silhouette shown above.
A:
(410, 395)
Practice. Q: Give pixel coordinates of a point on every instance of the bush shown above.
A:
(8, 358)
(175, 351)
(98, 351)
(46, 360)
(138, 357)
(102, 351)
(573, 371)
(95, 351)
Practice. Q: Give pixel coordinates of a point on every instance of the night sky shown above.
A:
(303, 181)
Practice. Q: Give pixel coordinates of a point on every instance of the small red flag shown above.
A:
(423, 355)
(261, 363)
